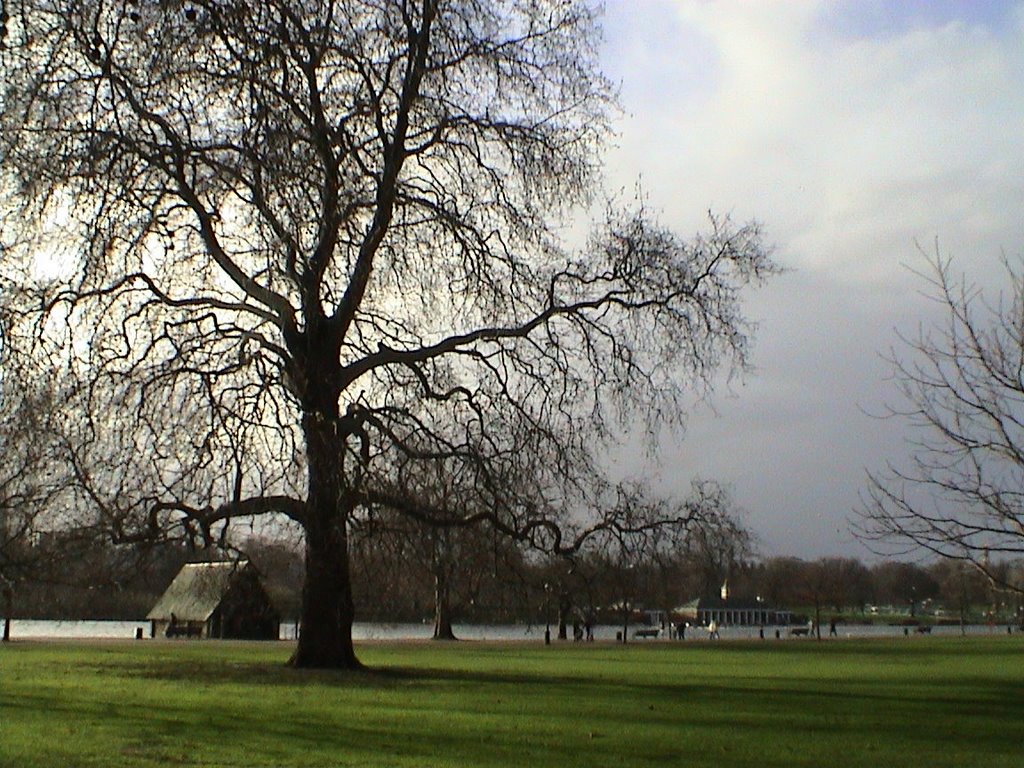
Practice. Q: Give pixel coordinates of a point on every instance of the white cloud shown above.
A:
(815, 134)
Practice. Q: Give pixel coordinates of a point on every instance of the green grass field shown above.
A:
(911, 702)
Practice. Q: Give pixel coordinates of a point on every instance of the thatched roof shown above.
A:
(196, 591)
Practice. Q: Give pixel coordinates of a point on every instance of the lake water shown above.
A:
(30, 629)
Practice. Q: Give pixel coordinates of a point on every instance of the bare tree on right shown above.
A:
(960, 493)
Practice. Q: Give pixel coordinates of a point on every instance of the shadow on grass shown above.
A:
(976, 695)
(524, 718)
(793, 665)
(234, 710)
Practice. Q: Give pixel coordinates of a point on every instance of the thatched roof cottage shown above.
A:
(218, 599)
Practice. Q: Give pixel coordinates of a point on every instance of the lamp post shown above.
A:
(7, 589)
(547, 614)
(626, 605)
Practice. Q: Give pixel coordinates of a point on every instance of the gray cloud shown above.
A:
(854, 139)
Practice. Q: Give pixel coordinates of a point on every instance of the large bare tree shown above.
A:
(960, 494)
(279, 250)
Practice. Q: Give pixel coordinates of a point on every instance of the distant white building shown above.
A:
(726, 611)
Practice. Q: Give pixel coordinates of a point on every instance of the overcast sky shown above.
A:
(854, 131)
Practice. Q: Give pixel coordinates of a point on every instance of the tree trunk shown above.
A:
(564, 609)
(442, 606)
(325, 637)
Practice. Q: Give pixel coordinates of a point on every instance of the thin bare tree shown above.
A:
(960, 493)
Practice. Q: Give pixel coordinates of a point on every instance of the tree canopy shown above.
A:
(280, 256)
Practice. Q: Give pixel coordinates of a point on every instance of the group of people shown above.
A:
(584, 631)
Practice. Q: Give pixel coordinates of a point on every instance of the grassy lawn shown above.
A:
(909, 702)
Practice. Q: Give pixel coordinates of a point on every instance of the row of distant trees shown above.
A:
(406, 569)
(472, 576)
